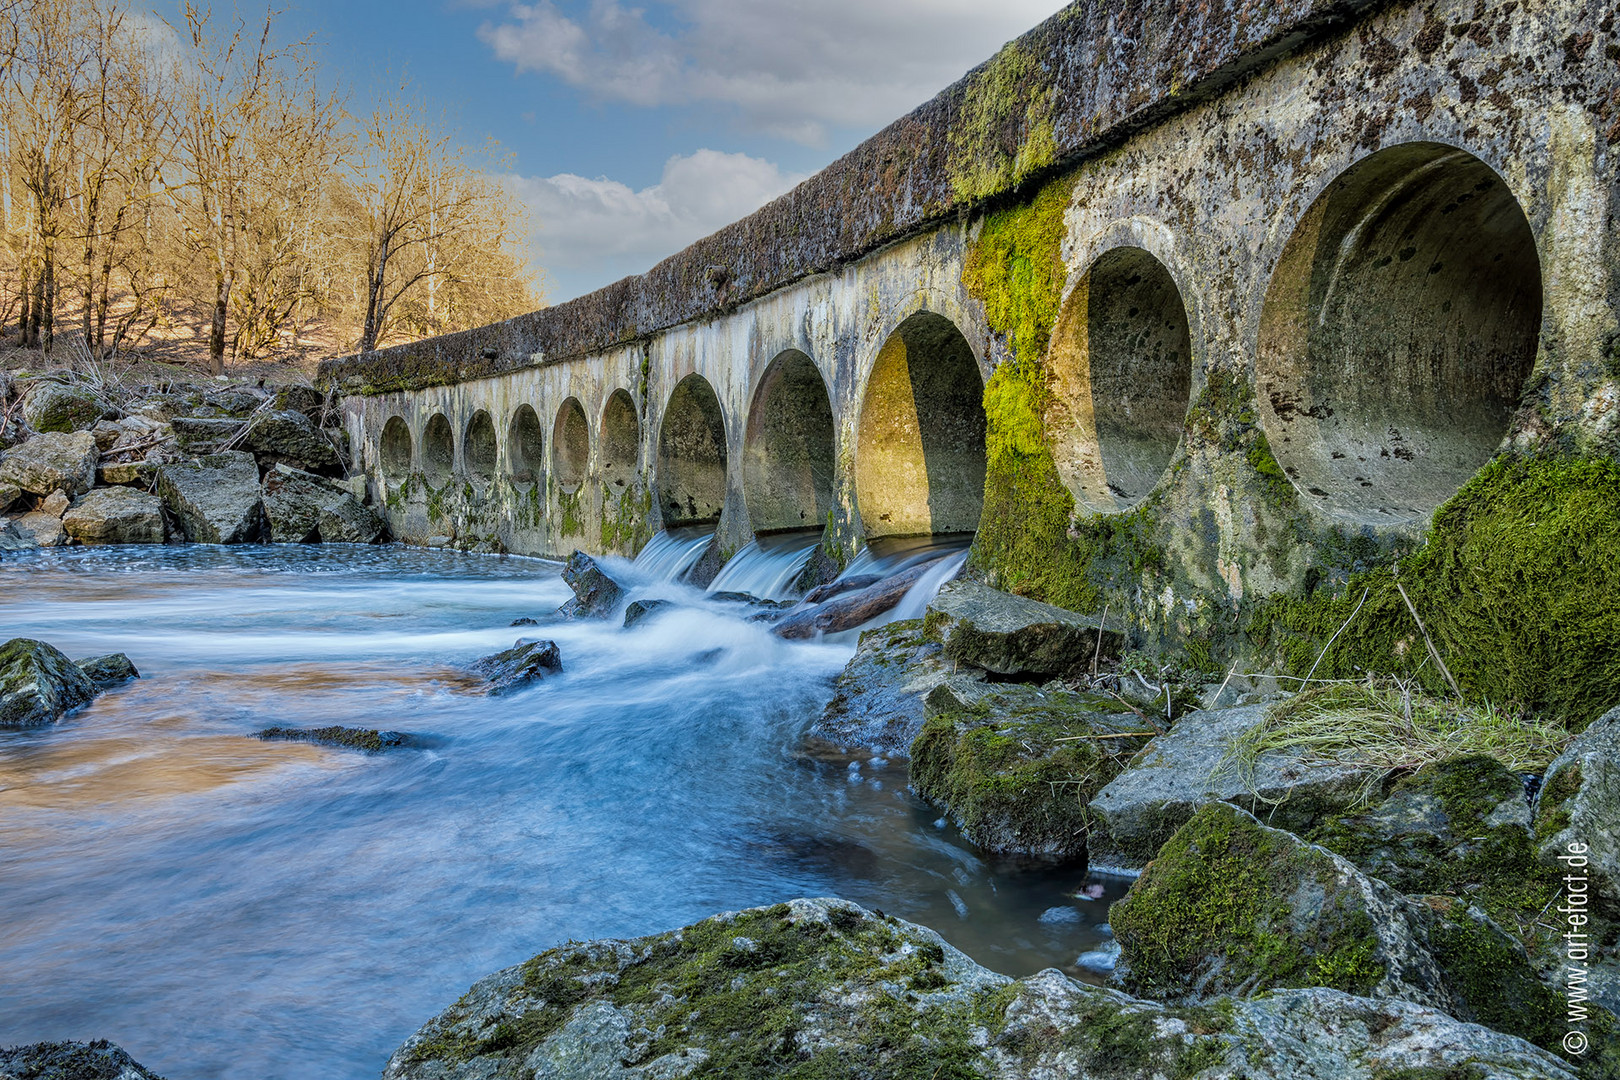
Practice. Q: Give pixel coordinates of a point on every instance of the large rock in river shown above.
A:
(1012, 635)
(55, 462)
(39, 684)
(116, 515)
(1186, 768)
(878, 702)
(524, 663)
(596, 595)
(215, 498)
(1578, 810)
(823, 988)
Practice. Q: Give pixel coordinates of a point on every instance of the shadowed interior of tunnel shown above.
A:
(920, 461)
(438, 450)
(395, 450)
(620, 441)
(479, 449)
(1122, 373)
(692, 455)
(788, 450)
(570, 446)
(1398, 332)
(525, 445)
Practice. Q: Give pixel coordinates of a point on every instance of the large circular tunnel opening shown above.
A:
(525, 445)
(395, 449)
(920, 460)
(479, 450)
(788, 451)
(438, 450)
(570, 446)
(1398, 332)
(692, 455)
(1122, 357)
(620, 442)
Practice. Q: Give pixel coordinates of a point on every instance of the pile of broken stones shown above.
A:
(220, 463)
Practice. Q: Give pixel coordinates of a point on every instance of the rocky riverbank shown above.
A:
(97, 462)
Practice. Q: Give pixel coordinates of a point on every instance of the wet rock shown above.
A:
(1184, 769)
(701, 574)
(640, 609)
(113, 669)
(524, 663)
(287, 437)
(823, 987)
(39, 529)
(11, 539)
(826, 592)
(1578, 806)
(1015, 768)
(215, 499)
(596, 595)
(878, 702)
(851, 609)
(99, 1060)
(54, 406)
(293, 503)
(9, 494)
(116, 515)
(819, 570)
(38, 684)
(56, 462)
(1231, 905)
(524, 621)
(367, 739)
(1012, 635)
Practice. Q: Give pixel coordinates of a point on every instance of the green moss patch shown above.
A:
(1016, 770)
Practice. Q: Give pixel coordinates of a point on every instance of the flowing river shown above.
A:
(227, 908)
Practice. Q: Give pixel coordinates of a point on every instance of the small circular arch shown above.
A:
(394, 449)
(692, 455)
(525, 445)
(620, 441)
(570, 446)
(1397, 333)
(438, 450)
(479, 447)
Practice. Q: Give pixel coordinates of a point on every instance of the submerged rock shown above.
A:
(878, 702)
(108, 671)
(116, 515)
(47, 463)
(367, 739)
(526, 662)
(99, 1060)
(39, 684)
(1016, 768)
(1182, 770)
(824, 988)
(596, 595)
(1578, 809)
(1012, 635)
(215, 499)
(850, 610)
(640, 609)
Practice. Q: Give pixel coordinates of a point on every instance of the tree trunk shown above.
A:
(374, 290)
(27, 308)
(216, 332)
(47, 314)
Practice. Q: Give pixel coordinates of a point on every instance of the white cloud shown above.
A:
(592, 232)
(790, 67)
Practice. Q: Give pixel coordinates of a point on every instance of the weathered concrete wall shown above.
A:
(1252, 297)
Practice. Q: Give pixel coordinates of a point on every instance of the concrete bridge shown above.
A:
(1262, 285)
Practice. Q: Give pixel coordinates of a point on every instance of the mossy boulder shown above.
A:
(368, 739)
(1186, 768)
(1016, 769)
(113, 669)
(824, 990)
(596, 594)
(54, 406)
(1231, 905)
(1011, 635)
(525, 663)
(39, 684)
(99, 1060)
(878, 701)
(1578, 810)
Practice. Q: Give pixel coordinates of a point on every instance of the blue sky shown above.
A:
(636, 130)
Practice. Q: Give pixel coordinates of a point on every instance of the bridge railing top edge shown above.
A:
(1083, 80)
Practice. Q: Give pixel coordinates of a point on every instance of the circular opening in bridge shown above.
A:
(621, 439)
(395, 449)
(788, 450)
(479, 448)
(526, 445)
(692, 455)
(1398, 332)
(920, 463)
(570, 446)
(1122, 352)
(438, 450)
